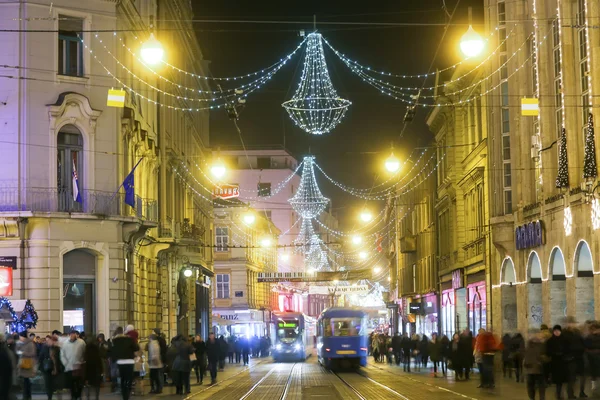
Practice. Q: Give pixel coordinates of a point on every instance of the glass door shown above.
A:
(78, 306)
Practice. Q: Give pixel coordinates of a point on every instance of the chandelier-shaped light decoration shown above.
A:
(316, 107)
(316, 258)
(308, 201)
(307, 231)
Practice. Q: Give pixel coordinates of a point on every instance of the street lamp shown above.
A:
(356, 239)
(392, 164)
(187, 272)
(471, 43)
(285, 257)
(363, 255)
(218, 169)
(152, 51)
(377, 270)
(265, 242)
(366, 216)
(249, 217)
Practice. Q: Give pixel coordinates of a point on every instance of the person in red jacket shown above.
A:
(487, 346)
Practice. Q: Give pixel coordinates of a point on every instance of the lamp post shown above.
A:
(152, 51)
(471, 43)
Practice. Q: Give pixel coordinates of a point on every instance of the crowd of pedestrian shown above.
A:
(562, 356)
(81, 364)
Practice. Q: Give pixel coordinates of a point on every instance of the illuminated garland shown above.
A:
(26, 320)
(590, 170)
(562, 180)
(308, 202)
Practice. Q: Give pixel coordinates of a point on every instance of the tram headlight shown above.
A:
(278, 347)
(298, 347)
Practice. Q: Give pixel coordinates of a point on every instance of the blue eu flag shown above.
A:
(129, 186)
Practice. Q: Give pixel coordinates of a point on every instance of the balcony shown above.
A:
(49, 200)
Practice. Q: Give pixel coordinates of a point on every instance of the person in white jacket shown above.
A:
(71, 356)
(156, 365)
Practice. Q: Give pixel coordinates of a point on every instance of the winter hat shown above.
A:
(129, 328)
(557, 328)
(23, 334)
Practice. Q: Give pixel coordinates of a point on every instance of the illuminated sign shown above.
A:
(8, 262)
(287, 324)
(299, 276)
(529, 235)
(6, 281)
(226, 191)
(338, 290)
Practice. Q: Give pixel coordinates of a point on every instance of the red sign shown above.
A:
(226, 191)
(6, 282)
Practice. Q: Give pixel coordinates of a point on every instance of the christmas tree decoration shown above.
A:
(590, 170)
(308, 201)
(316, 107)
(562, 180)
(27, 319)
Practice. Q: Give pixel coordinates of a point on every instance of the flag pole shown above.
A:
(121, 185)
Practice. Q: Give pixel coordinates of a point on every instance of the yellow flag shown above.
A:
(116, 98)
(530, 107)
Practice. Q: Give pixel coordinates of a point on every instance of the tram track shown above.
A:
(262, 382)
(288, 383)
(360, 394)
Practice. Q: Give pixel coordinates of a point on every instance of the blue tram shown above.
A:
(293, 336)
(342, 339)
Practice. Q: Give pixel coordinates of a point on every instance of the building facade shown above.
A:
(242, 306)
(412, 249)
(543, 202)
(462, 203)
(85, 258)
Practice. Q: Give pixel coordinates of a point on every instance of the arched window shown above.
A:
(69, 162)
(583, 260)
(557, 265)
(508, 272)
(534, 268)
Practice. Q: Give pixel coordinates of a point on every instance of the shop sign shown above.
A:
(338, 290)
(529, 235)
(226, 191)
(415, 308)
(457, 279)
(8, 262)
(230, 317)
(6, 281)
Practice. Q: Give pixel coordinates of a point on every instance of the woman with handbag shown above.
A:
(27, 362)
(50, 365)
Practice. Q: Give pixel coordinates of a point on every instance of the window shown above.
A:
(583, 62)
(70, 47)
(69, 161)
(222, 238)
(222, 286)
(264, 189)
(344, 327)
(263, 162)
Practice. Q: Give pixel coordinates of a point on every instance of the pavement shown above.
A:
(263, 379)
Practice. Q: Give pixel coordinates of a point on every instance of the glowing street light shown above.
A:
(311, 271)
(377, 270)
(366, 216)
(266, 242)
(356, 239)
(285, 257)
(187, 272)
(471, 43)
(249, 217)
(152, 51)
(335, 281)
(363, 255)
(392, 164)
(218, 169)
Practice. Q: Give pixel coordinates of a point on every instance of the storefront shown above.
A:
(203, 305)
(454, 304)
(241, 322)
(477, 302)
(427, 321)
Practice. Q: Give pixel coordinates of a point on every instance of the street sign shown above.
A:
(299, 276)
(226, 191)
(339, 290)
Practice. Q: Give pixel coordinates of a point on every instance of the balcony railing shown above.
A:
(61, 200)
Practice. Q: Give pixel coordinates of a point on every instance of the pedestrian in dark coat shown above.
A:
(517, 349)
(445, 344)
(435, 352)
(507, 365)
(557, 348)
(424, 350)
(455, 358)
(224, 348)
(182, 365)
(397, 348)
(6, 370)
(406, 351)
(534, 359)
(575, 358)
(213, 350)
(200, 364)
(171, 356)
(592, 350)
(465, 354)
(93, 368)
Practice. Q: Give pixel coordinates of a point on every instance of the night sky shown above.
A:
(373, 121)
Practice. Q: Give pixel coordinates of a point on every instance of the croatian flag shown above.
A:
(76, 195)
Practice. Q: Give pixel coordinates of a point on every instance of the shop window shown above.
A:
(222, 238)
(223, 286)
(70, 47)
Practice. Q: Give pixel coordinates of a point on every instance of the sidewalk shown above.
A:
(506, 388)
(230, 371)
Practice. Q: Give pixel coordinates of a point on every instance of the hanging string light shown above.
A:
(316, 107)
(562, 180)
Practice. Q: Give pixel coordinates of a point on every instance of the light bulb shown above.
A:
(249, 218)
(377, 270)
(392, 164)
(187, 272)
(363, 255)
(152, 51)
(285, 257)
(366, 216)
(335, 281)
(356, 239)
(471, 43)
(266, 242)
(311, 271)
(218, 169)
